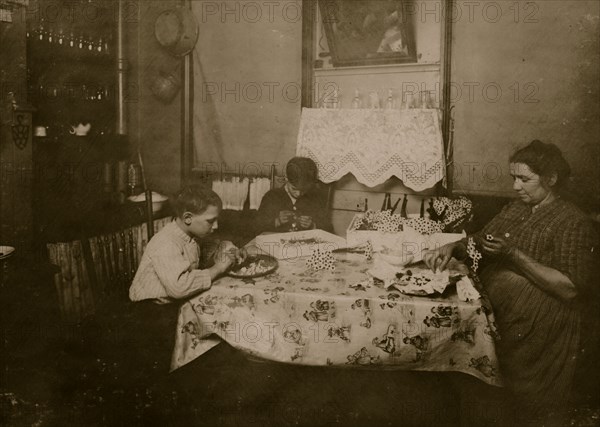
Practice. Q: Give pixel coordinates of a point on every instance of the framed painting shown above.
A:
(368, 32)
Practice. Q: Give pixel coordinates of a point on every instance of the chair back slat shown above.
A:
(93, 269)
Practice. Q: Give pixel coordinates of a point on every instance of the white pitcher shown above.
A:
(81, 129)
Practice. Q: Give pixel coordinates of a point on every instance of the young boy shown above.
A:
(298, 205)
(170, 271)
(170, 267)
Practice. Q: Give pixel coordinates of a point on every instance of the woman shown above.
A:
(538, 258)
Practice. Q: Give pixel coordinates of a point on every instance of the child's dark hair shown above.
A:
(544, 159)
(301, 171)
(195, 199)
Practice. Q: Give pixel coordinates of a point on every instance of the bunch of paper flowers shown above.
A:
(321, 260)
(451, 212)
(380, 221)
(424, 225)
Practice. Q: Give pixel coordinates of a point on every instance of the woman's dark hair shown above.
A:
(196, 199)
(301, 171)
(544, 159)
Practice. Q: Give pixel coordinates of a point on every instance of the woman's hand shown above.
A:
(498, 246)
(437, 259)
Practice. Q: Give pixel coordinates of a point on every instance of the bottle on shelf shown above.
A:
(409, 101)
(133, 180)
(38, 33)
(335, 101)
(389, 103)
(356, 100)
(374, 100)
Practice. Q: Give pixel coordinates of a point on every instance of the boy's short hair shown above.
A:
(301, 171)
(195, 199)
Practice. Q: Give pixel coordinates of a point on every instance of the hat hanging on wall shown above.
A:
(177, 30)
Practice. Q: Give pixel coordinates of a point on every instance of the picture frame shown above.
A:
(368, 32)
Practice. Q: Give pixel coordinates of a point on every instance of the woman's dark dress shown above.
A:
(539, 333)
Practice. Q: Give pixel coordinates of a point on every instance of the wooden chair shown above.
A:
(94, 270)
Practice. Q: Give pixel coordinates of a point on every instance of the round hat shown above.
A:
(176, 30)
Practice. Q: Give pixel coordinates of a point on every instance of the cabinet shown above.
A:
(71, 77)
(15, 141)
(71, 66)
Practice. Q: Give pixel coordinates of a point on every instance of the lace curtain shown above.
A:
(374, 145)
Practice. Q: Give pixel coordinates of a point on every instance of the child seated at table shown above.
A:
(298, 205)
(170, 269)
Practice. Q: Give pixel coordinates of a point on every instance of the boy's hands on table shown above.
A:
(284, 218)
(226, 256)
(305, 222)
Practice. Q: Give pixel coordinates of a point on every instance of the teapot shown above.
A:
(81, 129)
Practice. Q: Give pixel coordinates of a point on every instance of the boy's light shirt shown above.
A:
(169, 268)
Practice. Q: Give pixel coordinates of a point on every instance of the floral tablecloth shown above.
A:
(339, 318)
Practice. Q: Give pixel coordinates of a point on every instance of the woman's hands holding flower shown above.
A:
(498, 246)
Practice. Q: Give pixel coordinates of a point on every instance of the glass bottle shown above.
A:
(409, 101)
(356, 100)
(132, 178)
(335, 101)
(389, 103)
